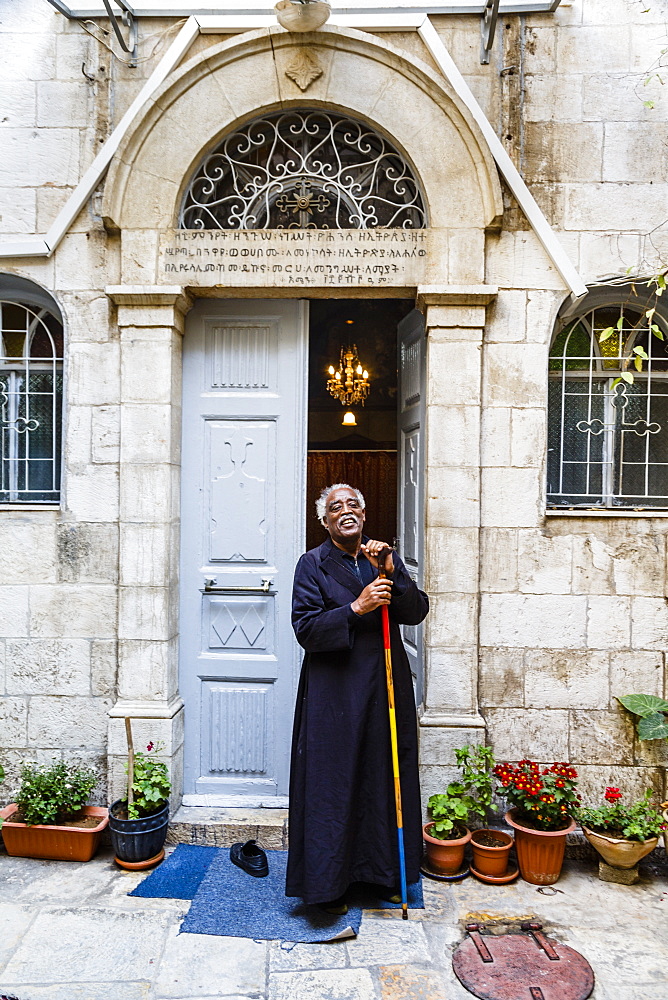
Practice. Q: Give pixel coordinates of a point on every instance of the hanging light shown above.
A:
(349, 419)
(302, 15)
(349, 383)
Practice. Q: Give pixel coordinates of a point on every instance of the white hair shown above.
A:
(321, 502)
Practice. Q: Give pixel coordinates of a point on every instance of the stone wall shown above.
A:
(568, 611)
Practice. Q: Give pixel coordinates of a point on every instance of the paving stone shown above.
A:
(383, 942)
(404, 982)
(88, 945)
(285, 957)
(343, 984)
(72, 882)
(621, 957)
(14, 921)
(197, 965)
(78, 991)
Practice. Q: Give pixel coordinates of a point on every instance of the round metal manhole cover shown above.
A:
(521, 967)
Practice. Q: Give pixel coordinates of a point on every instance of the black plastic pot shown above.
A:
(138, 839)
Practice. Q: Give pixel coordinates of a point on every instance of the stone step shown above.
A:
(222, 827)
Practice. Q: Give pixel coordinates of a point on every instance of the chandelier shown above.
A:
(349, 383)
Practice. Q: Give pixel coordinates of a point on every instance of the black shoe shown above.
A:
(250, 858)
(337, 907)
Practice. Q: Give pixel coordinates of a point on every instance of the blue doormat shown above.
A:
(230, 903)
(179, 875)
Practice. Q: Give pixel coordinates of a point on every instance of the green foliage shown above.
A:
(151, 785)
(652, 727)
(53, 793)
(639, 821)
(651, 724)
(636, 355)
(472, 796)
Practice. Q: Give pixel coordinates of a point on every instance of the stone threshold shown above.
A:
(222, 827)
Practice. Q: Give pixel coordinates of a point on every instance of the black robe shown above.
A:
(342, 822)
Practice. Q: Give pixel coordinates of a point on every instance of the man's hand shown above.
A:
(374, 594)
(372, 549)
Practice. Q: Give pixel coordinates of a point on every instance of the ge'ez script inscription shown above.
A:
(294, 257)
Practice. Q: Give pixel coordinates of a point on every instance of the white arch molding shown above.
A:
(483, 145)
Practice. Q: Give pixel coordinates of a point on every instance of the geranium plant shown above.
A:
(637, 821)
(53, 793)
(544, 798)
(150, 785)
(472, 796)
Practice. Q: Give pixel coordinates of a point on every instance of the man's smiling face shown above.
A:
(344, 518)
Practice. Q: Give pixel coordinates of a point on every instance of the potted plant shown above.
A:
(446, 833)
(622, 835)
(50, 818)
(138, 823)
(542, 802)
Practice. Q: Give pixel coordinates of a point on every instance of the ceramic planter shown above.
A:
(444, 856)
(618, 852)
(52, 843)
(137, 840)
(491, 861)
(540, 853)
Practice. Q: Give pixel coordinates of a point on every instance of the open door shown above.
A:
(410, 448)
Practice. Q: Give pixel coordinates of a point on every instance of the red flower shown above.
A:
(612, 794)
(149, 747)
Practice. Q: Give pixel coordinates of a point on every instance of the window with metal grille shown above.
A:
(31, 391)
(303, 169)
(608, 437)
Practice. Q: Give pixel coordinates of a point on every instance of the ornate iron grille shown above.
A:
(31, 389)
(303, 170)
(607, 439)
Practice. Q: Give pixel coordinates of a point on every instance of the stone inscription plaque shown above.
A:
(309, 257)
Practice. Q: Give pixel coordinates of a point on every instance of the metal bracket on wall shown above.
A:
(487, 29)
(127, 17)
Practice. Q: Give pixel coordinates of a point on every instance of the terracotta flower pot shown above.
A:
(540, 853)
(445, 856)
(492, 861)
(53, 843)
(618, 852)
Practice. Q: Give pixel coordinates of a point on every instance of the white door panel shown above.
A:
(243, 472)
(410, 447)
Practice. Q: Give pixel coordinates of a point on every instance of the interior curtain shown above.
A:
(372, 472)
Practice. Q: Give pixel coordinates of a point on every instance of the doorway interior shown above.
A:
(364, 454)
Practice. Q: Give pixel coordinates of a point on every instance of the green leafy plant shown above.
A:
(639, 821)
(637, 355)
(472, 796)
(651, 723)
(53, 793)
(150, 785)
(545, 798)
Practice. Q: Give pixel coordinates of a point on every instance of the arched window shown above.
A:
(608, 422)
(31, 390)
(303, 169)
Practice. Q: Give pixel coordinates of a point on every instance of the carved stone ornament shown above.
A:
(303, 69)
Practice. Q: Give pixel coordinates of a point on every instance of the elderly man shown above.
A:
(342, 811)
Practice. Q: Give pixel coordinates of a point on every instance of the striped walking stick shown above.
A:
(393, 738)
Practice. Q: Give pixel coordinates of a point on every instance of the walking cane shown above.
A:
(393, 738)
